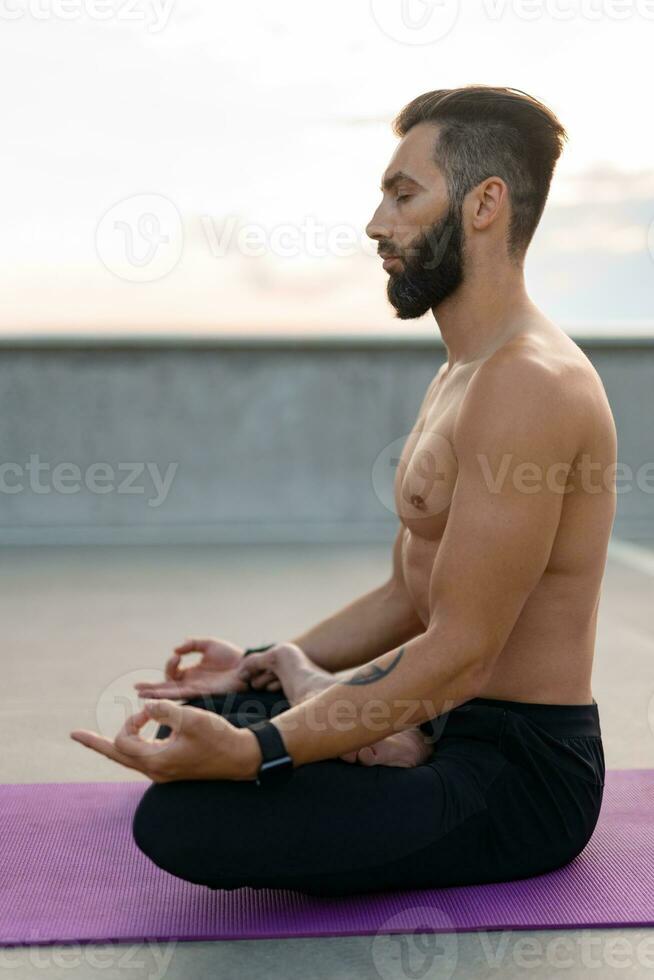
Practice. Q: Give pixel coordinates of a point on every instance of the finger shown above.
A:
(162, 693)
(168, 689)
(165, 711)
(131, 743)
(250, 664)
(274, 685)
(254, 663)
(192, 645)
(103, 745)
(262, 679)
(171, 670)
(135, 722)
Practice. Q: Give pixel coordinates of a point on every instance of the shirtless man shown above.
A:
(505, 360)
(505, 495)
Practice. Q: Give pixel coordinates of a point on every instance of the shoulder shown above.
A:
(516, 373)
(526, 392)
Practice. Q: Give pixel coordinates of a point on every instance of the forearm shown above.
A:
(398, 690)
(345, 675)
(375, 622)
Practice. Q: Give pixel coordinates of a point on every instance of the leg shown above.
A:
(334, 829)
(485, 809)
(226, 816)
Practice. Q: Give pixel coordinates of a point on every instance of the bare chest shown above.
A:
(427, 468)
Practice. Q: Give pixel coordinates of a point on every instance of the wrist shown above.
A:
(250, 757)
(266, 646)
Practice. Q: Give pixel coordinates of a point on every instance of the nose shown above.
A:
(375, 228)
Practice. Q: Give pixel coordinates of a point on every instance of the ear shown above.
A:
(488, 200)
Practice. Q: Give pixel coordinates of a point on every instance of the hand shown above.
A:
(300, 678)
(216, 673)
(201, 745)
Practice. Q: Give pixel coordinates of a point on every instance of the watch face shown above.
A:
(275, 771)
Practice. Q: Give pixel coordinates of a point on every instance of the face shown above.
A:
(416, 225)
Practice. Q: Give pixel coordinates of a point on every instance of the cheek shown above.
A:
(426, 212)
(411, 226)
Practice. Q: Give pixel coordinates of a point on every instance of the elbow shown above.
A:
(477, 677)
(470, 656)
(394, 595)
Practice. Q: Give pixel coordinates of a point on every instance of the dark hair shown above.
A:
(486, 132)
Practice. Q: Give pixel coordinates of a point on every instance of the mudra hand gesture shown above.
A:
(201, 745)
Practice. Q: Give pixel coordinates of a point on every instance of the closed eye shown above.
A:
(402, 197)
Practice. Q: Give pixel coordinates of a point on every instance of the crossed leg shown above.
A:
(333, 829)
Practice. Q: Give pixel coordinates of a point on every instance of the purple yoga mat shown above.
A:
(70, 872)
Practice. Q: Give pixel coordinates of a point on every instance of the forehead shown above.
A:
(413, 157)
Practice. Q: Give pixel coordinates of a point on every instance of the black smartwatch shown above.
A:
(276, 765)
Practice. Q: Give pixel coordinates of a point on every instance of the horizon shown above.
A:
(178, 137)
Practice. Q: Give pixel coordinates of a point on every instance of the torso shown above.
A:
(548, 656)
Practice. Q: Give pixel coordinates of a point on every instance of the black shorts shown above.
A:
(511, 790)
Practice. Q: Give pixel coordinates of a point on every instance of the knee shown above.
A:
(163, 830)
(145, 832)
(153, 827)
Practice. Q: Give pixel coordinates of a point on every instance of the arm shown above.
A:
(375, 622)
(494, 551)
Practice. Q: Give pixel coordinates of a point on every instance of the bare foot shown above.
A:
(406, 749)
(299, 677)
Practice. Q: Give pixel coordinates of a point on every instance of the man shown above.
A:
(483, 636)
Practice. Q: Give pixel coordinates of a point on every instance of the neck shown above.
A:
(487, 309)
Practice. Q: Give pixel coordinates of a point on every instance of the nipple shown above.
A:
(417, 501)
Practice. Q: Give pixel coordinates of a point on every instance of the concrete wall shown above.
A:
(270, 439)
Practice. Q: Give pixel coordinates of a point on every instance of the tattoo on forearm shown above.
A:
(373, 672)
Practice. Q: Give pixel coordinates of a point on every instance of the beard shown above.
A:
(432, 269)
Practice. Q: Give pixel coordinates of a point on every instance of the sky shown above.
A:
(187, 167)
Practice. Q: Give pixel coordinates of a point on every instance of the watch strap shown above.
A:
(276, 763)
(259, 649)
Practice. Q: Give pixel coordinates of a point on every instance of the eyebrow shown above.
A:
(388, 183)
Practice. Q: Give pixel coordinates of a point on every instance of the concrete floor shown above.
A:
(82, 624)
